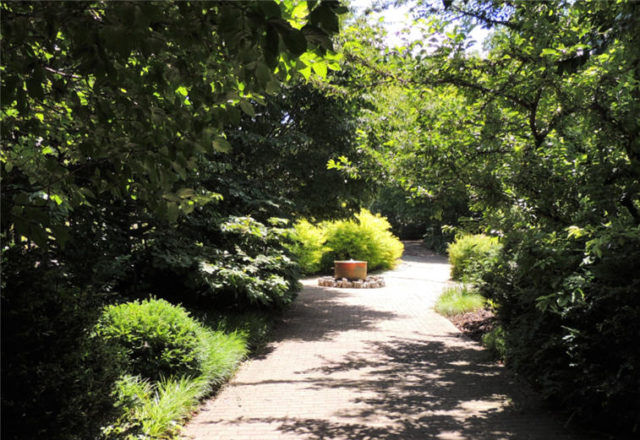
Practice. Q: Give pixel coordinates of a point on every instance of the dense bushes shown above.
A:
(57, 380)
(570, 310)
(159, 340)
(367, 238)
(255, 269)
(171, 361)
(309, 246)
(470, 255)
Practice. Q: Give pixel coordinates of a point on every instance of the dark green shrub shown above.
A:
(158, 338)
(256, 271)
(232, 263)
(570, 310)
(57, 380)
(494, 343)
(470, 255)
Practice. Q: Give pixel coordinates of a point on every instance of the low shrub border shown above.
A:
(154, 406)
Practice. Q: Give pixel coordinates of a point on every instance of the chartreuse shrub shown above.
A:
(470, 255)
(458, 300)
(569, 306)
(173, 360)
(367, 237)
(308, 246)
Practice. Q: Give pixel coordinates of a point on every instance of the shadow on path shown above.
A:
(320, 313)
(420, 390)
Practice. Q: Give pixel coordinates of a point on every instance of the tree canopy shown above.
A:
(120, 97)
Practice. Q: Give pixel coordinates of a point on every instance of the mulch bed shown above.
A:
(474, 324)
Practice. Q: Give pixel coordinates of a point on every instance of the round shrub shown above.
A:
(158, 338)
(308, 246)
(366, 238)
(469, 255)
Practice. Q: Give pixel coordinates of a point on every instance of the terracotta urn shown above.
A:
(350, 269)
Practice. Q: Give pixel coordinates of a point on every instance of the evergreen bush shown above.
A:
(159, 339)
(570, 310)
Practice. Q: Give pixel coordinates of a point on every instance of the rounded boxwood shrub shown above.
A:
(469, 255)
(159, 339)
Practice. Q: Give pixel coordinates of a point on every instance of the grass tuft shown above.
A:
(458, 300)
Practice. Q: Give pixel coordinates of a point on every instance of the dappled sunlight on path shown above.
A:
(374, 364)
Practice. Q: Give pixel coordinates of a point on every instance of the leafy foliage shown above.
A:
(495, 343)
(115, 99)
(588, 320)
(153, 409)
(57, 380)
(538, 136)
(308, 246)
(158, 339)
(471, 255)
(259, 272)
(367, 237)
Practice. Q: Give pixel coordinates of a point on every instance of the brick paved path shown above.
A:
(374, 364)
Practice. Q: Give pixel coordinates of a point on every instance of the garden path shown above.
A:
(374, 364)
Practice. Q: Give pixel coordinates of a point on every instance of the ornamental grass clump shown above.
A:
(458, 300)
(172, 362)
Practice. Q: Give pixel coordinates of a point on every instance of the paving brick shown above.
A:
(374, 364)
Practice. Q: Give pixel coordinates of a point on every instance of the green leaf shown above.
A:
(271, 47)
(317, 36)
(247, 108)
(263, 73)
(270, 8)
(295, 41)
(222, 145)
(173, 210)
(324, 16)
(185, 193)
(320, 68)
